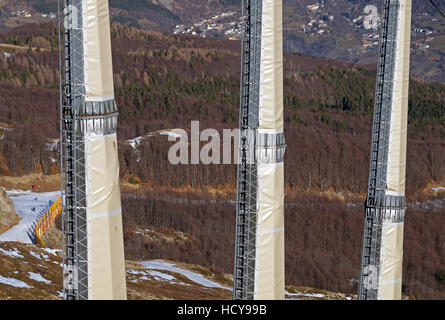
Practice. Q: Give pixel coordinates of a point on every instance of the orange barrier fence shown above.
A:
(48, 219)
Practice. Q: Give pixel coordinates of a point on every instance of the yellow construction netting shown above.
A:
(47, 220)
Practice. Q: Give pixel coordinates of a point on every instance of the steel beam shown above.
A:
(383, 206)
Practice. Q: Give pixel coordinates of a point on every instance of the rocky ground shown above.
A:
(8, 216)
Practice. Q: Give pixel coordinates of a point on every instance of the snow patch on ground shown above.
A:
(39, 255)
(38, 277)
(315, 295)
(301, 294)
(156, 275)
(52, 251)
(161, 276)
(193, 276)
(170, 134)
(135, 272)
(4, 129)
(52, 146)
(14, 282)
(12, 254)
(438, 189)
(135, 143)
(34, 254)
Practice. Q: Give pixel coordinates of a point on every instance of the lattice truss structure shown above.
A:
(73, 155)
(259, 145)
(385, 208)
(78, 119)
(247, 172)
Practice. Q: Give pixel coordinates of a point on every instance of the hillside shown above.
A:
(34, 272)
(334, 29)
(148, 14)
(186, 213)
(165, 81)
(29, 272)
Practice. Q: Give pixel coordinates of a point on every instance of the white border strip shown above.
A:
(261, 93)
(88, 190)
(85, 46)
(398, 63)
(270, 131)
(260, 118)
(98, 99)
(276, 230)
(107, 214)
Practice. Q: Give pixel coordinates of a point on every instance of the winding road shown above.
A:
(28, 205)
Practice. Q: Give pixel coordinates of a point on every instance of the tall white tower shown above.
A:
(381, 269)
(94, 263)
(259, 251)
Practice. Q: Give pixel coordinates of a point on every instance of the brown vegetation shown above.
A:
(323, 238)
(43, 183)
(165, 81)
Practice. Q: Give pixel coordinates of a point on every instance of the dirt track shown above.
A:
(44, 183)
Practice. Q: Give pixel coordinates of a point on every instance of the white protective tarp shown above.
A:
(269, 267)
(399, 113)
(271, 76)
(390, 278)
(98, 58)
(106, 261)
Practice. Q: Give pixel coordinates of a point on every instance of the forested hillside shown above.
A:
(333, 29)
(165, 81)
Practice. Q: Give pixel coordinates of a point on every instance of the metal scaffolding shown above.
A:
(73, 155)
(380, 207)
(78, 118)
(246, 222)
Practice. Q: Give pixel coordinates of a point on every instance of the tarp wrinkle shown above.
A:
(107, 266)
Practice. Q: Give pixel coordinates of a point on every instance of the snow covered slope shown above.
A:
(28, 205)
(193, 276)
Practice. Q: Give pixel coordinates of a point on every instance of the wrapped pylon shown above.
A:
(259, 248)
(382, 256)
(94, 253)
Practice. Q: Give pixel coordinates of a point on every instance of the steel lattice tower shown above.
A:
(261, 143)
(89, 156)
(381, 265)
(73, 162)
